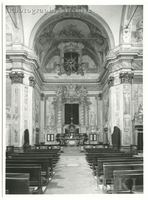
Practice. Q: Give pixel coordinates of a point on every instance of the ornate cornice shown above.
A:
(126, 77)
(32, 81)
(16, 77)
(111, 81)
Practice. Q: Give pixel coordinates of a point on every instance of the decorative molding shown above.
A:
(126, 77)
(111, 81)
(16, 77)
(32, 81)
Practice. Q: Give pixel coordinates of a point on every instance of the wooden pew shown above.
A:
(17, 185)
(92, 158)
(20, 186)
(45, 150)
(45, 171)
(33, 170)
(108, 169)
(130, 184)
(95, 159)
(18, 157)
(102, 150)
(54, 157)
(100, 161)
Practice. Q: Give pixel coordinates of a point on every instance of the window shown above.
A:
(93, 137)
(50, 137)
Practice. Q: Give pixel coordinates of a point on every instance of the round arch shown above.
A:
(90, 17)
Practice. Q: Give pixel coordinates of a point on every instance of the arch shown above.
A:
(90, 17)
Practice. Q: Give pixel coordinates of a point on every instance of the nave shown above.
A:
(72, 175)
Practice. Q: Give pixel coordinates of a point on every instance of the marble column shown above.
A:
(126, 81)
(42, 121)
(17, 129)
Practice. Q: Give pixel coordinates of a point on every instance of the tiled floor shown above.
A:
(72, 176)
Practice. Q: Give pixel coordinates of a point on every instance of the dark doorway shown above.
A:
(72, 110)
(140, 141)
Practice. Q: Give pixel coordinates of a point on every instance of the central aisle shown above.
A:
(72, 176)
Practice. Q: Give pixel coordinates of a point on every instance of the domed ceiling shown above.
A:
(71, 48)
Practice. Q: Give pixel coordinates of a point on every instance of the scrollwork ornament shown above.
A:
(126, 77)
(16, 77)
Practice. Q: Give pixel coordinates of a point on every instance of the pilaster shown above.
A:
(126, 81)
(42, 125)
(17, 107)
(100, 119)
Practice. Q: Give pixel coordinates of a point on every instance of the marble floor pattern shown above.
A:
(72, 176)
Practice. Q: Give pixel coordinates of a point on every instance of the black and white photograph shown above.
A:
(73, 99)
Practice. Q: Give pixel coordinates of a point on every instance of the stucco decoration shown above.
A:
(50, 112)
(126, 132)
(138, 35)
(25, 98)
(37, 108)
(16, 100)
(8, 113)
(61, 33)
(15, 127)
(137, 98)
(126, 98)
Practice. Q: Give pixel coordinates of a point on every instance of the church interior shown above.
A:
(74, 99)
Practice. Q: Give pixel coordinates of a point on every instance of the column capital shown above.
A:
(16, 77)
(100, 96)
(111, 81)
(32, 81)
(42, 96)
(126, 77)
